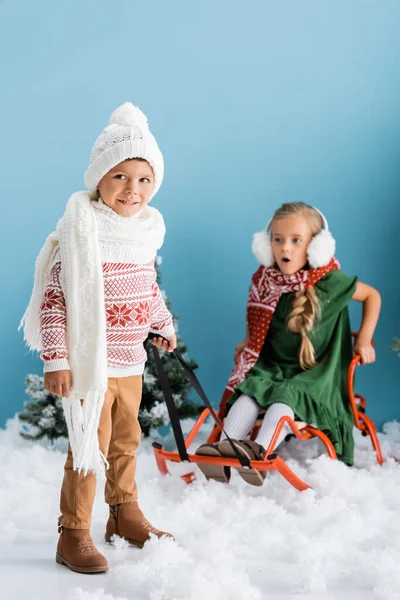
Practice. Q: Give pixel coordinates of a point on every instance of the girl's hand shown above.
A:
(167, 343)
(371, 301)
(240, 347)
(58, 383)
(365, 349)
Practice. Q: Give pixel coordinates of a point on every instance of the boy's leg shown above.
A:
(78, 490)
(75, 547)
(126, 519)
(125, 439)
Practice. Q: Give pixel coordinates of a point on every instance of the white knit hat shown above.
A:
(127, 135)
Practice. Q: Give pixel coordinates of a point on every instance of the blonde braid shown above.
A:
(306, 307)
(301, 320)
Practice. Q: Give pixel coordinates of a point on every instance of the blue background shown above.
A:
(252, 104)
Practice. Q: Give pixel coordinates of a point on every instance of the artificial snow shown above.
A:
(337, 541)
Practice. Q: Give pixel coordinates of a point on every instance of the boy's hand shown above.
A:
(240, 347)
(167, 343)
(58, 383)
(365, 349)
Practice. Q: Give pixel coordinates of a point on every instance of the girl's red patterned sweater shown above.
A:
(134, 306)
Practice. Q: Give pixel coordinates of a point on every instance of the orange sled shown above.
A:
(272, 461)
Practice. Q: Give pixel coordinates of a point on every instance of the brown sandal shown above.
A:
(216, 472)
(250, 450)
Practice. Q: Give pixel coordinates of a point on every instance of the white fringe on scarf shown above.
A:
(81, 277)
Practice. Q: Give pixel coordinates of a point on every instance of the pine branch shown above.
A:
(396, 346)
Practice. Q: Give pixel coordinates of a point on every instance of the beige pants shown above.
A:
(119, 436)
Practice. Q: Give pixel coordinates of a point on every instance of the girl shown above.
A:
(95, 299)
(297, 349)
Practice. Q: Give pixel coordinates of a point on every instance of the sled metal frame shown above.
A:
(272, 461)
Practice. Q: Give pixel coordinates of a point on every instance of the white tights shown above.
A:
(243, 415)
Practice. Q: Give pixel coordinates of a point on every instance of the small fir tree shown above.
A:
(396, 346)
(44, 412)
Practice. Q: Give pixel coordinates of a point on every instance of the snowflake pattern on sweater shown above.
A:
(133, 304)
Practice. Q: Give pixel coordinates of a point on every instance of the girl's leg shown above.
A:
(238, 424)
(272, 417)
(254, 450)
(241, 418)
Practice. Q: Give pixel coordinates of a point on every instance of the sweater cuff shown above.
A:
(165, 332)
(58, 364)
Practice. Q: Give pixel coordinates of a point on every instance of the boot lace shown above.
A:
(149, 527)
(86, 547)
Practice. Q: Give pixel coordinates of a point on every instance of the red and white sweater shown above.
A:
(134, 306)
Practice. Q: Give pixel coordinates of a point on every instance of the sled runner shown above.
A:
(272, 461)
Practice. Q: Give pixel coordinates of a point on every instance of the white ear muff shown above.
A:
(262, 249)
(322, 247)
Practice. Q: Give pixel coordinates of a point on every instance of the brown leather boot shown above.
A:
(76, 550)
(128, 521)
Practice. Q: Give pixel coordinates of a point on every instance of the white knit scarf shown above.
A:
(88, 234)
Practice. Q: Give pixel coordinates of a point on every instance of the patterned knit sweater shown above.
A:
(134, 306)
